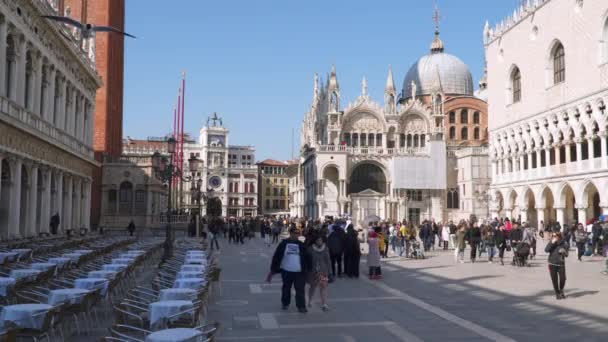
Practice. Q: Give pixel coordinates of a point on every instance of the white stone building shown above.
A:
(548, 71)
(399, 160)
(47, 99)
(229, 172)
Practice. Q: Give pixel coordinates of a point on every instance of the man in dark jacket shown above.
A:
(596, 231)
(557, 249)
(54, 223)
(335, 242)
(425, 234)
(291, 260)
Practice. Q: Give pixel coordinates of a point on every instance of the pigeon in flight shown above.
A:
(87, 29)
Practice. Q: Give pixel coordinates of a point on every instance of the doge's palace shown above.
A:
(548, 76)
(47, 98)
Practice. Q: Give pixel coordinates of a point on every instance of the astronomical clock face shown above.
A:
(215, 182)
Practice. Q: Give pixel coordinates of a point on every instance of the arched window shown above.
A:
(559, 63)
(409, 140)
(416, 142)
(370, 139)
(476, 118)
(379, 140)
(453, 200)
(464, 116)
(452, 117)
(363, 139)
(401, 140)
(476, 133)
(422, 140)
(464, 133)
(516, 85)
(355, 139)
(452, 133)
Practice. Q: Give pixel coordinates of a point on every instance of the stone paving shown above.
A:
(418, 300)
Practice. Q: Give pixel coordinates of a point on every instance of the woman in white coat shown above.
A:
(445, 235)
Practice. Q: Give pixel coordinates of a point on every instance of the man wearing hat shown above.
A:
(291, 260)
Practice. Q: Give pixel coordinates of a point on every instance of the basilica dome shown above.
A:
(438, 69)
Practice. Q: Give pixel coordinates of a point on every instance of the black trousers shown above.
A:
(298, 281)
(558, 277)
(375, 271)
(581, 249)
(336, 259)
(275, 238)
(501, 251)
(351, 264)
(474, 246)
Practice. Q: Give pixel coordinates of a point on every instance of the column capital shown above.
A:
(540, 208)
(581, 207)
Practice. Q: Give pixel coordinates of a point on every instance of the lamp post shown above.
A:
(167, 173)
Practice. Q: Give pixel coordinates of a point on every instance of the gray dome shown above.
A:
(454, 76)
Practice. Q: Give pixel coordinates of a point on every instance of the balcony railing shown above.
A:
(46, 129)
(373, 150)
(549, 171)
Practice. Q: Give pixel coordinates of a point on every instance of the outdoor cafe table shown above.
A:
(176, 335)
(193, 268)
(72, 296)
(73, 256)
(26, 316)
(84, 251)
(189, 274)
(43, 266)
(177, 294)
(5, 284)
(11, 256)
(92, 284)
(61, 262)
(113, 267)
(165, 309)
(24, 273)
(102, 274)
(22, 252)
(189, 283)
(122, 261)
(196, 261)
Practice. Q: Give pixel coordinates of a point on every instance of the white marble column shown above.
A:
(538, 159)
(529, 156)
(61, 103)
(32, 198)
(15, 205)
(37, 85)
(582, 214)
(579, 154)
(59, 203)
(3, 71)
(591, 153)
(20, 70)
(86, 216)
(46, 214)
(67, 204)
(568, 152)
(561, 215)
(50, 97)
(540, 214)
(524, 214)
(558, 154)
(71, 116)
(76, 203)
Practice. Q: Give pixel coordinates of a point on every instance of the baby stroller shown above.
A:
(417, 252)
(521, 251)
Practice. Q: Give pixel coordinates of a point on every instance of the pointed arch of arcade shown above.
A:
(589, 198)
(566, 204)
(546, 205)
(368, 175)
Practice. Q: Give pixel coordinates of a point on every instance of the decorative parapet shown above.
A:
(526, 9)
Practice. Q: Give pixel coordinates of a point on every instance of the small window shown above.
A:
(464, 116)
(452, 117)
(452, 133)
(516, 85)
(476, 133)
(559, 64)
(464, 133)
(476, 118)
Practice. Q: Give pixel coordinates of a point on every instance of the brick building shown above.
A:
(273, 189)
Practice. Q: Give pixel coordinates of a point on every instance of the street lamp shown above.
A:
(166, 174)
(196, 193)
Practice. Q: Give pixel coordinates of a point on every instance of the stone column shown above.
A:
(59, 204)
(91, 127)
(591, 153)
(3, 71)
(582, 214)
(568, 153)
(494, 168)
(604, 156)
(509, 213)
(76, 203)
(50, 99)
(561, 215)
(538, 159)
(67, 205)
(524, 214)
(558, 154)
(37, 85)
(86, 217)
(521, 163)
(46, 214)
(30, 227)
(540, 214)
(579, 154)
(72, 113)
(61, 103)
(20, 70)
(529, 156)
(15, 205)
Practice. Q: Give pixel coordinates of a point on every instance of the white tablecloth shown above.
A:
(22, 315)
(24, 273)
(128, 256)
(196, 260)
(177, 294)
(84, 251)
(63, 295)
(193, 268)
(189, 274)
(113, 267)
(175, 335)
(102, 274)
(23, 252)
(73, 256)
(92, 284)
(5, 284)
(11, 256)
(189, 283)
(43, 266)
(60, 262)
(122, 261)
(166, 308)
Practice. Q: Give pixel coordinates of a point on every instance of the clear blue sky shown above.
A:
(253, 61)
